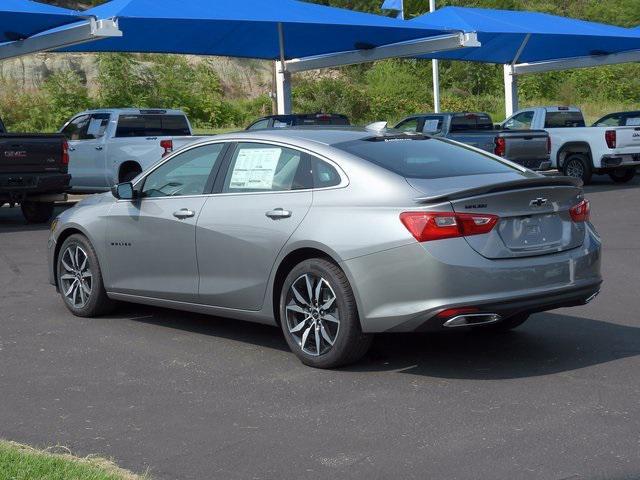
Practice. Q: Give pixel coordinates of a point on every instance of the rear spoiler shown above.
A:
(503, 187)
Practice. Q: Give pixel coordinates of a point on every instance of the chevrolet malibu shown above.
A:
(332, 235)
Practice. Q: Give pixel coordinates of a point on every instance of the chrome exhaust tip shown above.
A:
(472, 319)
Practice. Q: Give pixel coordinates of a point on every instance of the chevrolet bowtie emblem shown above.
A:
(538, 202)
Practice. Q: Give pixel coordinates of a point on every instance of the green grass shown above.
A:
(215, 131)
(21, 462)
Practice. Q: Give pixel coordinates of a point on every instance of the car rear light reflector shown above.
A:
(454, 312)
(501, 146)
(610, 137)
(426, 226)
(581, 212)
(549, 145)
(167, 145)
(65, 152)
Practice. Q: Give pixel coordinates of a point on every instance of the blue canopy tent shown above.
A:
(20, 19)
(528, 37)
(529, 42)
(264, 29)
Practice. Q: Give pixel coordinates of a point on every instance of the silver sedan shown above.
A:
(332, 235)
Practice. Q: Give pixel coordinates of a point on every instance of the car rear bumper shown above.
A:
(621, 160)
(17, 186)
(403, 289)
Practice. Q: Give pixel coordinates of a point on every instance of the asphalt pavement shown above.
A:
(187, 396)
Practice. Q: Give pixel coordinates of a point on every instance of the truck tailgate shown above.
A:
(628, 137)
(27, 153)
(523, 145)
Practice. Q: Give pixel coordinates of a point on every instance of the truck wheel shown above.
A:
(578, 166)
(37, 212)
(622, 175)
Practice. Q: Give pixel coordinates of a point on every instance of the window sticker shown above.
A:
(633, 121)
(431, 125)
(255, 168)
(95, 127)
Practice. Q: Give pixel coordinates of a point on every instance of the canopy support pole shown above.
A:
(73, 35)
(510, 90)
(511, 99)
(435, 68)
(283, 79)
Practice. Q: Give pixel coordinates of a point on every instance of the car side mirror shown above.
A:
(123, 191)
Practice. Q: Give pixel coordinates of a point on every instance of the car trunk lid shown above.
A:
(534, 215)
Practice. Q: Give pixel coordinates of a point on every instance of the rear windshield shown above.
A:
(563, 119)
(152, 126)
(424, 157)
(322, 120)
(470, 121)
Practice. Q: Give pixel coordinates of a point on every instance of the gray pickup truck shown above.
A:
(529, 148)
(33, 172)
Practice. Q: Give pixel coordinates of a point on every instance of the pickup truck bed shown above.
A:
(33, 173)
(529, 148)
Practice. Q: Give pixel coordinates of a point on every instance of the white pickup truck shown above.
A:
(110, 146)
(580, 151)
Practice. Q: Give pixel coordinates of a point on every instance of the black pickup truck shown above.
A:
(33, 172)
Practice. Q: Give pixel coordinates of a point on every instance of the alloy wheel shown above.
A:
(312, 314)
(76, 282)
(575, 169)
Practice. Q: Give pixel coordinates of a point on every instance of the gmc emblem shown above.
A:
(15, 153)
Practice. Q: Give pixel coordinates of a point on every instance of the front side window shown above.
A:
(424, 157)
(521, 121)
(257, 167)
(77, 128)
(188, 173)
(410, 125)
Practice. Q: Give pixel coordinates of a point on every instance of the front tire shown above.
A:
(319, 317)
(80, 278)
(578, 166)
(37, 212)
(622, 175)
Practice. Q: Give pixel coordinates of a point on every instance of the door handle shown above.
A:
(184, 213)
(99, 147)
(278, 213)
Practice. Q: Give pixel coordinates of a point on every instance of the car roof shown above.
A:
(136, 111)
(323, 135)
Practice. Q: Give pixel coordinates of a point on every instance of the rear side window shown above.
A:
(563, 119)
(152, 126)
(324, 175)
(259, 125)
(2, 129)
(470, 121)
(424, 157)
(259, 167)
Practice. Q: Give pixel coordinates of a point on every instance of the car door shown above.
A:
(87, 156)
(151, 240)
(263, 193)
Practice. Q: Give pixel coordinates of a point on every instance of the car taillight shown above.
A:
(167, 145)
(610, 137)
(581, 212)
(426, 226)
(501, 146)
(65, 152)
(548, 145)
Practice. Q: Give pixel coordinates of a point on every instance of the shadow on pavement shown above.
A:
(548, 343)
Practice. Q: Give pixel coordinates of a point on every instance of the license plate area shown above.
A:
(533, 232)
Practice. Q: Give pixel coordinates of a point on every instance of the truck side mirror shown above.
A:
(123, 191)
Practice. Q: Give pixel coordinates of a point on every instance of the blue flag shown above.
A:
(392, 5)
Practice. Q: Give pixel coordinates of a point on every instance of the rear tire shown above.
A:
(506, 324)
(622, 175)
(578, 166)
(37, 212)
(319, 317)
(80, 278)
